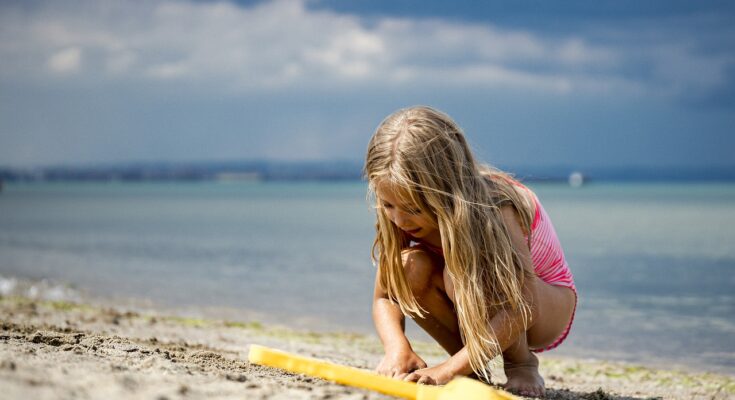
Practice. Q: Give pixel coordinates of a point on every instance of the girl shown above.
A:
(464, 250)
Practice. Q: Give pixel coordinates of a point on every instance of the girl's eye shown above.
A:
(413, 211)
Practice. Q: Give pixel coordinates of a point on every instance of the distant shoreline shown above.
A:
(334, 171)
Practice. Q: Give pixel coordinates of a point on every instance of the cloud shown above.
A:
(282, 44)
(66, 61)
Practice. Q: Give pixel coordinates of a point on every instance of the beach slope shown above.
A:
(58, 350)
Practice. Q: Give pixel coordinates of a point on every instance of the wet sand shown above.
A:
(61, 349)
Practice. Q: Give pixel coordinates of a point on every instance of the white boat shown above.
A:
(576, 179)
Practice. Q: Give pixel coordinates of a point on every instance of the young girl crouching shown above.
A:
(465, 250)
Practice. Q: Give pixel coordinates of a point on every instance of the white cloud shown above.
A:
(577, 52)
(282, 43)
(168, 70)
(120, 62)
(66, 61)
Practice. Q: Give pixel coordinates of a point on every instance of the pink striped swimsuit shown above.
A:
(548, 260)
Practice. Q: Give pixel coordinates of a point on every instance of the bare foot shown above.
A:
(524, 378)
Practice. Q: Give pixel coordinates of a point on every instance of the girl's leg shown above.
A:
(424, 271)
(551, 311)
(521, 369)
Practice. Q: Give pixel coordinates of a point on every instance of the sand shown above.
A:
(61, 349)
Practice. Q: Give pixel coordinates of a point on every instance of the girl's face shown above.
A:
(405, 216)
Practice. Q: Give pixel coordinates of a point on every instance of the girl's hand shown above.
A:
(438, 375)
(399, 364)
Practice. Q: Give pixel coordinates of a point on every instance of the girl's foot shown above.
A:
(524, 378)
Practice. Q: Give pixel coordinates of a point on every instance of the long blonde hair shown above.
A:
(424, 152)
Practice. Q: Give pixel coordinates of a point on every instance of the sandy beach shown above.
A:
(60, 349)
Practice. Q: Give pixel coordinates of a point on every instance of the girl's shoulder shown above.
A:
(506, 191)
(502, 186)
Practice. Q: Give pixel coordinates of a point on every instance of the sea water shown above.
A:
(654, 263)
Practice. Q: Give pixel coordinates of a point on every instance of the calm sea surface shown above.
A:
(654, 263)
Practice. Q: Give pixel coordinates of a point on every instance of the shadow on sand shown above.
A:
(599, 394)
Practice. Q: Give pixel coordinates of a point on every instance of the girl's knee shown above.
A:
(419, 269)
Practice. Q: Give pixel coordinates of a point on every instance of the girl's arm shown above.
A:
(399, 359)
(389, 320)
(506, 324)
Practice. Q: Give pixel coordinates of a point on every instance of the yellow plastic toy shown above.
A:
(459, 388)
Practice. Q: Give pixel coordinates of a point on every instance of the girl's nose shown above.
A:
(399, 218)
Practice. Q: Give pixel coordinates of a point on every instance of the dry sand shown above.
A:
(59, 350)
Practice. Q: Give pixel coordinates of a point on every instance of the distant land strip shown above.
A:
(331, 171)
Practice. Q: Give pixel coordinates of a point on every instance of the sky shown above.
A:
(532, 83)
